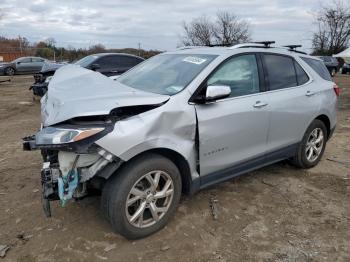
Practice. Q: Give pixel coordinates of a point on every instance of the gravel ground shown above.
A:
(277, 213)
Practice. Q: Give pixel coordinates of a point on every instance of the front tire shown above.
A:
(10, 71)
(141, 198)
(312, 146)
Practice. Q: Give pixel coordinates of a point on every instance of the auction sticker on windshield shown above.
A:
(194, 60)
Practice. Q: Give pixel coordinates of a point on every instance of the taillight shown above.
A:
(336, 90)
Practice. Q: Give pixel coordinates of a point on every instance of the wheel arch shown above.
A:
(179, 160)
(326, 121)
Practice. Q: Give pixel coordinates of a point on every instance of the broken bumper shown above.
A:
(39, 89)
(29, 143)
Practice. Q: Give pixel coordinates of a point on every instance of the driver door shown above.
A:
(24, 65)
(233, 131)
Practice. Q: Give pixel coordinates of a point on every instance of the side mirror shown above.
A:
(217, 92)
(95, 67)
(18, 63)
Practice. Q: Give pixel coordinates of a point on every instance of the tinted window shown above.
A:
(129, 61)
(240, 74)
(318, 67)
(108, 62)
(166, 74)
(281, 72)
(301, 75)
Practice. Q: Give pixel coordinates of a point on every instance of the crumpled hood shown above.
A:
(75, 92)
(51, 66)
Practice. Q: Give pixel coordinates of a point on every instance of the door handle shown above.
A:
(309, 93)
(260, 104)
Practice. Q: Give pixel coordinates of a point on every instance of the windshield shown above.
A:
(166, 74)
(17, 60)
(85, 61)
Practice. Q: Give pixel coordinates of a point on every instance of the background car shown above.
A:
(109, 64)
(331, 63)
(346, 68)
(22, 65)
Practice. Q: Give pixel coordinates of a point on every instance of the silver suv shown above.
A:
(177, 123)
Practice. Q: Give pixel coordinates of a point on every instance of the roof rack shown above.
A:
(263, 44)
(222, 45)
(293, 48)
(190, 47)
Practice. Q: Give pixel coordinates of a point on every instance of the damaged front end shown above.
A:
(71, 159)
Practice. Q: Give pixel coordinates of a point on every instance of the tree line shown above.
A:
(48, 49)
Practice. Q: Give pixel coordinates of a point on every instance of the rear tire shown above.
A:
(312, 146)
(155, 182)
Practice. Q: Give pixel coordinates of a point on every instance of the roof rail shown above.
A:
(293, 48)
(190, 47)
(263, 44)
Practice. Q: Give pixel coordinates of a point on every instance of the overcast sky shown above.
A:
(156, 24)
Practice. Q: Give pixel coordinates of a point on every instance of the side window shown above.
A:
(107, 62)
(25, 60)
(281, 72)
(35, 59)
(239, 73)
(129, 61)
(318, 67)
(301, 75)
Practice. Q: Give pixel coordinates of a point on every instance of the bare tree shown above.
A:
(50, 42)
(226, 29)
(98, 48)
(198, 32)
(333, 29)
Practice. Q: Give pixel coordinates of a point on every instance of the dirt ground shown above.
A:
(278, 213)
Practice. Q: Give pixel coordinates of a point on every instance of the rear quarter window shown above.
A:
(302, 77)
(319, 67)
(280, 71)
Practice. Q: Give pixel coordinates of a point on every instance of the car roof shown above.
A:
(232, 50)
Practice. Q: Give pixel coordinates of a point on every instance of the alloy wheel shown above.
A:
(10, 71)
(149, 199)
(314, 144)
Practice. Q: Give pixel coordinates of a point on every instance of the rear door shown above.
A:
(37, 64)
(232, 130)
(291, 96)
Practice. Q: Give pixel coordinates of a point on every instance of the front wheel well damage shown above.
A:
(176, 158)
